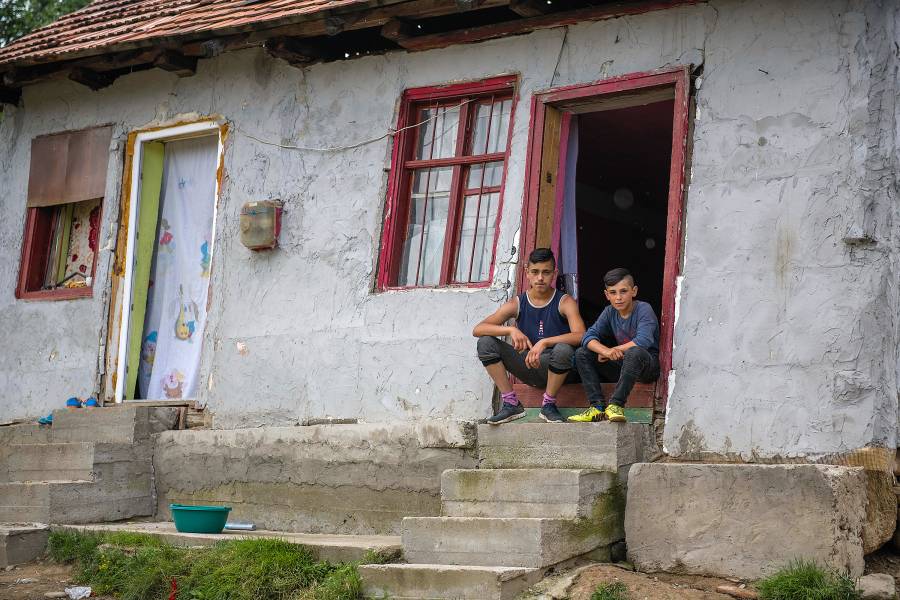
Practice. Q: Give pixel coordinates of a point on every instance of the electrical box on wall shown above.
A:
(261, 224)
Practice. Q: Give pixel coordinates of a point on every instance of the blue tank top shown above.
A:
(542, 322)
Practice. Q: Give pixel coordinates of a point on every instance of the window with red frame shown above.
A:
(66, 185)
(448, 172)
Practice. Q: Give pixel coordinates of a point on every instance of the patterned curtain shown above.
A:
(179, 278)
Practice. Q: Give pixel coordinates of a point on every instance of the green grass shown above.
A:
(610, 591)
(140, 567)
(804, 580)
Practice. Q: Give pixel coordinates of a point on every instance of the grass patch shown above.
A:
(140, 567)
(804, 580)
(610, 591)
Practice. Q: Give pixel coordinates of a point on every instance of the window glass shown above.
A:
(491, 127)
(424, 245)
(485, 175)
(438, 133)
(476, 242)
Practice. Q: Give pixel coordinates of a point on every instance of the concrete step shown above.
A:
(75, 501)
(24, 433)
(49, 462)
(21, 543)
(530, 543)
(530, 493)
(437, 582)
(333, 548)
(118, 424)
(600, 446)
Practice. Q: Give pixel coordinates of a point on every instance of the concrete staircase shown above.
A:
(544, 494)
(91, 465)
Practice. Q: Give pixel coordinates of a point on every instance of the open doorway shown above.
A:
(605, 189)
(620, 195)
(170, 244)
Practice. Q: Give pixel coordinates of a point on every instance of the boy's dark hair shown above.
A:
(616, 275)
(539, 255)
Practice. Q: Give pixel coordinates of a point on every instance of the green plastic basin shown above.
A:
(199, 519)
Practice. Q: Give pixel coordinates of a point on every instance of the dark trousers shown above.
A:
(557, 359)
(636, 365)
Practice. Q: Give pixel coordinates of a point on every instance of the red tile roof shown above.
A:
(136, 23)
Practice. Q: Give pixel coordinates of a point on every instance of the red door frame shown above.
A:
(679, 78)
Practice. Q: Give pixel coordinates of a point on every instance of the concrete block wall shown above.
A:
(355, 479)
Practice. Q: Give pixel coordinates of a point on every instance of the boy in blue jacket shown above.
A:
(622, 346)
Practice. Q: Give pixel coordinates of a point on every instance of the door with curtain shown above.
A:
(177, 285)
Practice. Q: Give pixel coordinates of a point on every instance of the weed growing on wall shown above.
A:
(611, 591)
(140, 567)
(804, 580)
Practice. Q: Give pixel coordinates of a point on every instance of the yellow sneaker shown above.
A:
(590, 415)
(615, 413)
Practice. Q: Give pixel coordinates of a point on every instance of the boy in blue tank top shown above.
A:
(548, 328)
(622, 347)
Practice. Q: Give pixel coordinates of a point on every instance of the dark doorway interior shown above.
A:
(622, 190)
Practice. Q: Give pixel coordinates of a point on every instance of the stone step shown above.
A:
(117, 424)
(24, 433)
(602, 446)
(75, 501)
(500, 542)
(535, 493)
(333, 548)
(21, 543)
(48, 462)
(437, 582)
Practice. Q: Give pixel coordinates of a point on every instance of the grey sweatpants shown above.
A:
(557, 359)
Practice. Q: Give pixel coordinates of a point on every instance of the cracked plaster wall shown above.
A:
(783, 333)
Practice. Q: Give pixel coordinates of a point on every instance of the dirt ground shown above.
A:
(659, 586)
(34, 580)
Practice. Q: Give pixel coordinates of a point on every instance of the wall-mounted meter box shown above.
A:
(261, 224)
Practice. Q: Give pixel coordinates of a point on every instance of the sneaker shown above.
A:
(615, 413)
(589, 416)
(550, 413)
(508, 412)
(91, 403)
(73, 402)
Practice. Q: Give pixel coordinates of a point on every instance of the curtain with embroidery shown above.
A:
(179, 278)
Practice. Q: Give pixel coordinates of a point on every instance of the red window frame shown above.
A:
(403, 167)
(35, 250)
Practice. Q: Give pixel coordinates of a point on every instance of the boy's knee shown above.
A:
(636, 352)
(488, 350)
(561, 358)
(583, 354)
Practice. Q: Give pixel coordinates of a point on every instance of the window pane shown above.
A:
(491, 127)
(492, 176)
(423, 248)
(476, 240)
(437, 135)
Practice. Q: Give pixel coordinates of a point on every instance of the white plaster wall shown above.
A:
(774, 354)
(786, 342)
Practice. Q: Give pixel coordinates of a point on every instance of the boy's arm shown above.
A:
(493, 325)
(647, 330)
(569, 308)
(591, 339)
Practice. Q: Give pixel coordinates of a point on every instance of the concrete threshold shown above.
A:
(333, 548)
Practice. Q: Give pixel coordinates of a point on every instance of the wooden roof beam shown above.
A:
(295, 51)
(526, 25)
(93, 79)
(398, 31)
(175, 62)
(529, 8)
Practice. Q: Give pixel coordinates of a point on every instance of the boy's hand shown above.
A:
(606, 354)
(519, 340)
(616, 354)
(533, 360)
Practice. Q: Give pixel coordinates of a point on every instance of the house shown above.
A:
(739, 156)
